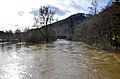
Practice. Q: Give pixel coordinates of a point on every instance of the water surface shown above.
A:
(60, 60)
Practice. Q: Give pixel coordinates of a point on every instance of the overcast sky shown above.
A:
(19, 13)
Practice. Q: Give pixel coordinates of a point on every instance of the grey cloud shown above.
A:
(58, 11)
(34, 11)
(72, 3)
(77, 6)
(21, 13)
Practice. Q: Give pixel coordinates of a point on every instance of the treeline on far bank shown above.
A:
(10, 37)
(28, 36)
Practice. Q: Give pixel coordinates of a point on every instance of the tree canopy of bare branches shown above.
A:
(43, 18)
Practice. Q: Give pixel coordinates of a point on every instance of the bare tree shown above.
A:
(44, 18)
(93, 8)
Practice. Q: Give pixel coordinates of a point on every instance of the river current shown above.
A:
(59, 60)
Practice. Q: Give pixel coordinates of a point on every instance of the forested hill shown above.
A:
(62, 27)
(99, 29)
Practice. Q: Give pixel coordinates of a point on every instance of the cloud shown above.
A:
(58, 11)
(77, 6)
(34, 11)
(21, 13)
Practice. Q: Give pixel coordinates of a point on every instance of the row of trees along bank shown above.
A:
(9, 36)
(99, 29)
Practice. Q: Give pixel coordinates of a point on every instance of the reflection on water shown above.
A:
(60, 60)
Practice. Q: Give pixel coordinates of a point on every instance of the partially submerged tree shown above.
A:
(44, 18)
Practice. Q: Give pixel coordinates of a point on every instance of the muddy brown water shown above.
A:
(60, 60)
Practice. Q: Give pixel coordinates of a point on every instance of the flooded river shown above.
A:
(60, 60)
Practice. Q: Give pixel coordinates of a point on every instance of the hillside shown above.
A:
(97, 30)
(61, 28)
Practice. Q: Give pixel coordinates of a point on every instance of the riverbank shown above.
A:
(99, 29)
